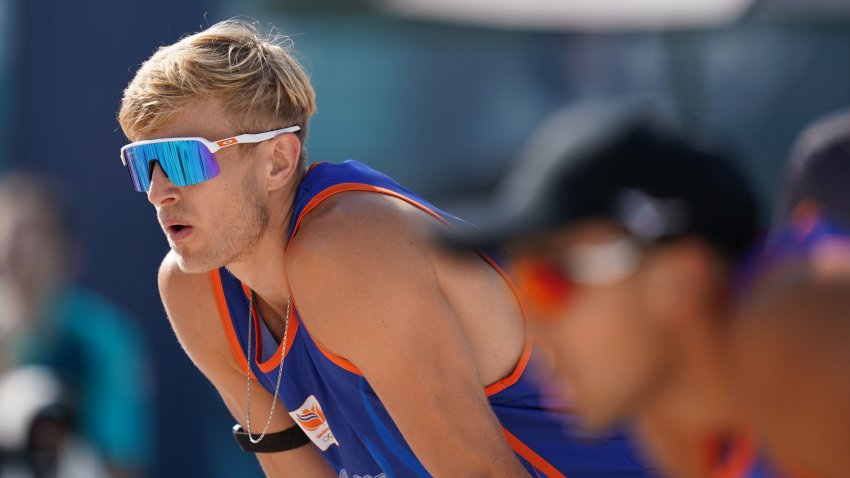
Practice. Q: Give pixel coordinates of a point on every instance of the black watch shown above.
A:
(288, 439)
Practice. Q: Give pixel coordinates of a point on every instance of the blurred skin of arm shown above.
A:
(391, 319)
(190, 304)
(790, 343)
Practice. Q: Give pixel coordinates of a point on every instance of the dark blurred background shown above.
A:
(442, 104)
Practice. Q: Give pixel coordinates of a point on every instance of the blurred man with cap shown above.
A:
(791, 338)
(626, 237)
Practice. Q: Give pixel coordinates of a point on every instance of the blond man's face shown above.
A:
(213, 223)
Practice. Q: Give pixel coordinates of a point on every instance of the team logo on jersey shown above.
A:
(310, 417)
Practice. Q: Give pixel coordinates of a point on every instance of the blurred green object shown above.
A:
(96, 349)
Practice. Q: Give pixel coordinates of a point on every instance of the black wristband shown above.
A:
(288, 439)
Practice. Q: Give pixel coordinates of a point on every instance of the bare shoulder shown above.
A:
(366, 278)
(174, 283)
(184, 295)
(363, 224)
(190, 304)
(370, 250)
(365, 270)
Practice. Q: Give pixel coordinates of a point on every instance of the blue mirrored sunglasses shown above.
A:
(185, 161)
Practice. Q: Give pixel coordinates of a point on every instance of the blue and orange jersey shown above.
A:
(334, 404)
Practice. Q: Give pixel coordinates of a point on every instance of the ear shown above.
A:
(680, 282)
(282, 160)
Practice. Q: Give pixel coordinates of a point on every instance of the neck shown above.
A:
(694, 409)
(700, 399)
(263, 268)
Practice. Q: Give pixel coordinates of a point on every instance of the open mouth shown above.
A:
(178, 231)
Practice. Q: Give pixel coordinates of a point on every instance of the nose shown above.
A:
(162, 190)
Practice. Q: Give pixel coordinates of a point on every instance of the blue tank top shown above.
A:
(336, 407)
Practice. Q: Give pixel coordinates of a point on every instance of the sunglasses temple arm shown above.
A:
(250, 138)
(258, 137)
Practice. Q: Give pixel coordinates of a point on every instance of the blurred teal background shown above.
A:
(442, 107)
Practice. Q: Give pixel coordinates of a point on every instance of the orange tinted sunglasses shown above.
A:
(544, 285)
(547, 284)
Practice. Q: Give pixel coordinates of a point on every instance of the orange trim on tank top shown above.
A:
(274, 361)
(525, 356)
(531, 456)
(348, 187)
(513, 378)
(346, 364)
(340, 362)
(226, 323)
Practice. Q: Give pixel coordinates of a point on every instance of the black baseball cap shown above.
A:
(617, 160)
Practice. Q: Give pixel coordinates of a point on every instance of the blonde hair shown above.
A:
(260, 84)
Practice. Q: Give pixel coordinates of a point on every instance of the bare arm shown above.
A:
(390, 318)
(190, 305)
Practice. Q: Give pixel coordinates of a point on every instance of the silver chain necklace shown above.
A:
(251, 359)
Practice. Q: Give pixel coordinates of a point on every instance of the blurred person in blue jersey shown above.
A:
(792, 340)
(62, 337)
(625, 237)
(340, 337)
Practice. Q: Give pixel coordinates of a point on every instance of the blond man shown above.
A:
(311, 298)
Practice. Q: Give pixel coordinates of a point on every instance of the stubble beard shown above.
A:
(237, 239)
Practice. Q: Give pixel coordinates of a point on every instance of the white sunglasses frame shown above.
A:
(603, 263)
(214, 146)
